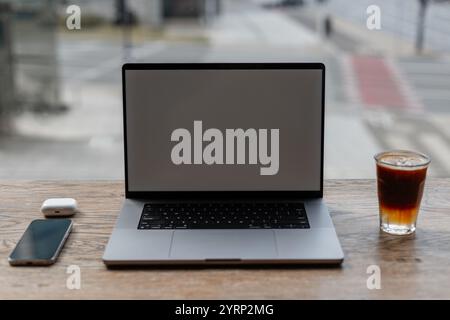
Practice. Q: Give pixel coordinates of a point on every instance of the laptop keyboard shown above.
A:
(218, 215)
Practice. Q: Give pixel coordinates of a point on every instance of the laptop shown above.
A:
(223, 165)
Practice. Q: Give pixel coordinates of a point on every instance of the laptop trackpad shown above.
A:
(223, 244)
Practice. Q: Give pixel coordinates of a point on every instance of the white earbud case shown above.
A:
(59, 207)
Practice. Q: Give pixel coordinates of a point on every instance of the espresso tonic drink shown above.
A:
(400, 180)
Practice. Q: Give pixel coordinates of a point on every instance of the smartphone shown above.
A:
(41, 242)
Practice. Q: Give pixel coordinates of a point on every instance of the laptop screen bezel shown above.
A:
(174, 195)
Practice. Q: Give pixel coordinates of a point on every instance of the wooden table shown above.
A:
(411, 267)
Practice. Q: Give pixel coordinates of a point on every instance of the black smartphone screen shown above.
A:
(41, 241)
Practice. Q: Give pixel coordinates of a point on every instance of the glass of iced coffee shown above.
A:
(400, 181)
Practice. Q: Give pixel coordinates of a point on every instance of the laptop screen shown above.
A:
(223, 129)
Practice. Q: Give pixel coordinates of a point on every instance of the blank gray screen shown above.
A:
(160, 101)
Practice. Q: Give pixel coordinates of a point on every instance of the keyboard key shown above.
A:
(151, 217)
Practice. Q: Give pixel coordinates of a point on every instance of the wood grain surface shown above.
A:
(411, 267)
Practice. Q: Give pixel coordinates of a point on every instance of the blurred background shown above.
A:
(60, 89)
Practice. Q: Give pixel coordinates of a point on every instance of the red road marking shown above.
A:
(377, 84)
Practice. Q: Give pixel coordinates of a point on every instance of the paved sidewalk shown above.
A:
(259, 27)
(87, 140)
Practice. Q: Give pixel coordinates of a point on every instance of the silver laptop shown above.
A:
(223, 165)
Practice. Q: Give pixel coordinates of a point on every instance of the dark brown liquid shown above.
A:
(400, 192)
